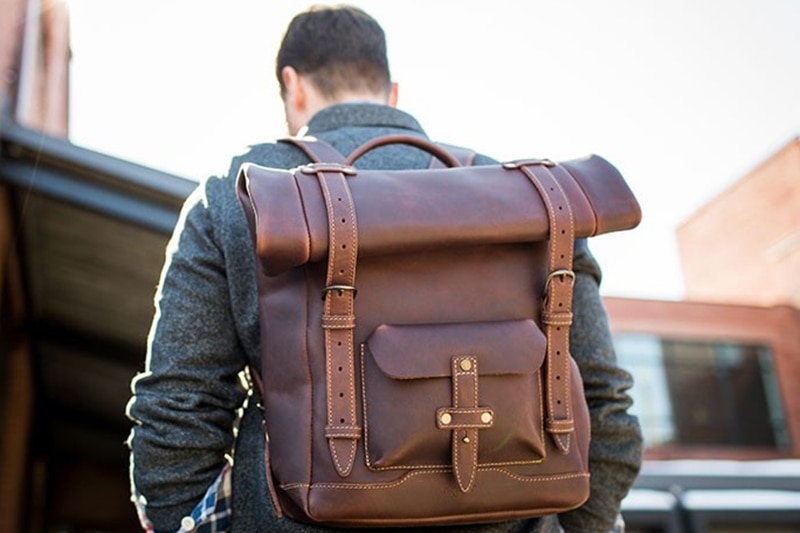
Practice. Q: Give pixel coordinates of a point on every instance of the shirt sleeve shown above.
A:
(616, 445)
(211, 515)
(184, 403)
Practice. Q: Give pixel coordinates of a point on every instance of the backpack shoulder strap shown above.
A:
(465, 156)
(316, 149)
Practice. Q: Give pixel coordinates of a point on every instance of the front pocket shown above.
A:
(410, 377)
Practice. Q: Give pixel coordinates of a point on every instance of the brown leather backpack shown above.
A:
(415, 334)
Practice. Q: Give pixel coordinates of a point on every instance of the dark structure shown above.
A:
(83, 243)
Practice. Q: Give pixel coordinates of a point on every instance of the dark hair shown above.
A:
(340, 48)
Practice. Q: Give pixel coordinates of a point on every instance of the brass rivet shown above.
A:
(486, 418)
(465, 440)
(446, 418)
(466, 365)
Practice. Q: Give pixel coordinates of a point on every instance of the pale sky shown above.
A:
(684, 97)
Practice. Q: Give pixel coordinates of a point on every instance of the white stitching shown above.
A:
(390, 485)
(367, 459)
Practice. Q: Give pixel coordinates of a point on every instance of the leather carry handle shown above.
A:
(318, 150)
(435, 150)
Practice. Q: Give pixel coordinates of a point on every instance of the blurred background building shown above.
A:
(82, 237)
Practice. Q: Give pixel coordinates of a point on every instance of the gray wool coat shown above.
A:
(205, 332)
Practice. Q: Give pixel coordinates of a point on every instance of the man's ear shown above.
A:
(393, 94)
(295, 96)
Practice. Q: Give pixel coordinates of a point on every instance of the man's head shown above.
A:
(332, 54)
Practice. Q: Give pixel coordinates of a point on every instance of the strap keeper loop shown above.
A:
(338, 321)
(563, 318)
(343, 432)
(565, 425)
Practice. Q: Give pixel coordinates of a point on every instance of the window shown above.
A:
(703, 393)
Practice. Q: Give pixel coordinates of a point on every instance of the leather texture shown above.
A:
(415, 334)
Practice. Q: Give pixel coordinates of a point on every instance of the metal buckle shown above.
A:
(513, 165)
(340, 288)
(561, 273)
(315, 168)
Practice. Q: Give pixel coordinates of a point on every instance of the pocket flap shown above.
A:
(425, 351)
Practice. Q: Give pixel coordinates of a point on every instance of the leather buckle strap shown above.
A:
(556, 315)
(338, 320)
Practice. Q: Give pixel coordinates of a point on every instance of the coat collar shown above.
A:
(360, 114)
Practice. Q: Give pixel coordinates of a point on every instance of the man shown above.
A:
(335, 85)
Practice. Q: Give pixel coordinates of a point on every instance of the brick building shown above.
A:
(744, 245)
(713, 381)
(716, 373)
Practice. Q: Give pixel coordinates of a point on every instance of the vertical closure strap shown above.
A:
(557, 309)
(338, 319)
(464, 418)
(465, 440)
